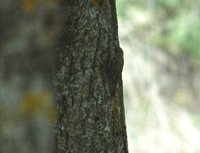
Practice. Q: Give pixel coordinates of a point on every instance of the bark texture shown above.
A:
(90, 109)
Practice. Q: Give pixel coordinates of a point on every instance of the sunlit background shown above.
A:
(161, 43)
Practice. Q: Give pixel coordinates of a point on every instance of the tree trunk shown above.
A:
(89, 94)
(28, 30)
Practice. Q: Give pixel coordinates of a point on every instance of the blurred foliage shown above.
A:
(196, 118)
(160, 78)
(178, 21)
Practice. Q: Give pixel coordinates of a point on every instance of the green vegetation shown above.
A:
(178, 21)
(161, 43)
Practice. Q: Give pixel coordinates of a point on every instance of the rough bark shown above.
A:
(90, 115)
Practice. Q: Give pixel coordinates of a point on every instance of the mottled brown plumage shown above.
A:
(114, 69)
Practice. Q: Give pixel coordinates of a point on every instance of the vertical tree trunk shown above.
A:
(28, 30)
(90, 109)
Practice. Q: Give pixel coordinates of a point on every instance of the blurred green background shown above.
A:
(161, 43)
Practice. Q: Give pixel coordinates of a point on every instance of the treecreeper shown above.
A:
(114, 69)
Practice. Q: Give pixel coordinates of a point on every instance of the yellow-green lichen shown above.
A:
(116, 114)
(99, 3)
(33, 104)
(32, 5)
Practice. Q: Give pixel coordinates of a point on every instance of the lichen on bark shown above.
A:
(28, 31)
(89, 120)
